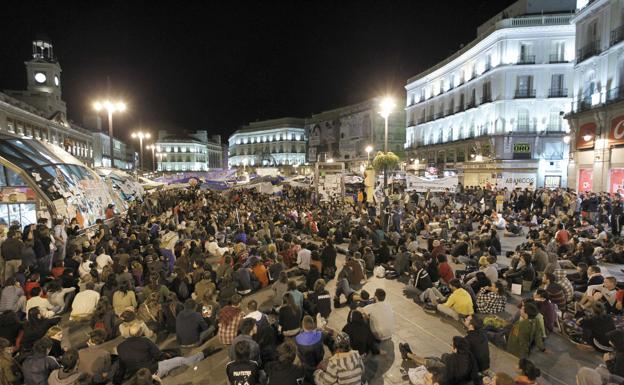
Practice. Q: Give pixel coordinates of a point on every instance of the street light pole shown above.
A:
(387, 105)
(110, 107)
(141, 135)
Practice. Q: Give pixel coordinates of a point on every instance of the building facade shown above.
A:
(492, 113)
(275, 142)
(39, 111)
(344, 133)
(597, 112)
(188, 151)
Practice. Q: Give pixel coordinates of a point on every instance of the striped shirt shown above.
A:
(342, 369)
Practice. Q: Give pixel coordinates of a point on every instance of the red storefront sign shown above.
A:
(616, 133)
(586, 177)
(586, 129)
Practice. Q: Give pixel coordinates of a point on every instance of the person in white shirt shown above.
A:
(596, 293)
(381, 316)
(303, 258)
(84, 303)
(102, 260)
(213, 248)
(46, 309)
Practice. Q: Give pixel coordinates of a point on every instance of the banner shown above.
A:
(616, 134)
(415, 183)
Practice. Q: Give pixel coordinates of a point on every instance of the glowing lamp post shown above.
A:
(386, 107)
(110, 107)
(368, 150)
(141, 135)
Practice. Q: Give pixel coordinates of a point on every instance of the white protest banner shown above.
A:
(416, 183)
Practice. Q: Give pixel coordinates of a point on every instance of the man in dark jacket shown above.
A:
(12, 253)
(310, 346)
(38, 366)
(138, 352)
(478, 342)
(191, 328)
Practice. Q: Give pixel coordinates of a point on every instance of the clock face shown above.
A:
(56, 80)
(40, 77)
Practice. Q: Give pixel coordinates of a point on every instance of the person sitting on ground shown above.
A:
(604, 293)
(279, 288)
(69, 372)
(191, 328)
(129, 319)
(345, 366)
(458, 367)
(380, 316)
(284, 371)
(243, 370)
(84, 303)
(124, 299)
(478, 342)
(137, 352)
(310, 346)
(230, 317)
(547, 309)
(528, 373)
(38, 366)
(555, 291)
(526, 332)
(419, 281)
(459, 303)
(596, 327)
(444, 269)
(45, 307)
(319, 300)
(360, 334)
(12, 296)
(492, 299)
(246, 333)
(289, 316)
(611, 371)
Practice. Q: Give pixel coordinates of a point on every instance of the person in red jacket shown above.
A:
(444, 269)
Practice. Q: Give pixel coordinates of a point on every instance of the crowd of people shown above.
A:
(187, 263)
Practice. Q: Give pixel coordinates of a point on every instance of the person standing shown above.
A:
(11, 250)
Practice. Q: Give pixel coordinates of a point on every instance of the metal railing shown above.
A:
(556, 58)
(617, 35)
(486, 99)
(588, 50)
(558, 93)
(421, 120)
(526, 59)
(524, 93)
(471, 104)
(615, 94)
(438, 115)
(525, 127)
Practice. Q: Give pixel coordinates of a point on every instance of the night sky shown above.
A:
(216, 65)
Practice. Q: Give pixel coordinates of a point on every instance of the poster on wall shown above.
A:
(416, 183)
(330, 185)
(585, 181)
(616, 180)
(552, 181)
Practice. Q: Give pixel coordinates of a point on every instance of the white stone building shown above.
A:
(597, 112)
(274, 142)
(492, 113)
(344, 133)
(188, 151)
(39, 111)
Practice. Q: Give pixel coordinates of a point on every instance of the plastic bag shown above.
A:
(379, 271)
(417, 375)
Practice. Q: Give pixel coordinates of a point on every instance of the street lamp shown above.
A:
(387, 105)
(110, 107)
(152, 147)
(141, 135)
(368, 150)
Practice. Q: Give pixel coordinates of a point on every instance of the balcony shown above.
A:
(582, 105)
(438, 115)
(615, 94)
(558, 93)
(486, 99)
(587, 51)
(471, 104)
(524, 93)
(617, 35)
(525, 127)
(448, 112)
(429, 118)
(526, 59)
(421, 120)
(556, 58)
(459, 108)
(410, 123)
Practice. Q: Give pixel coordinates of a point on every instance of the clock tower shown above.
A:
(44, 79)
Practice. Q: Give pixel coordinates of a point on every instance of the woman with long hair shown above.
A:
(289, 316)
(104, 318)
(36, 327)
(124, 299)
